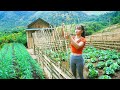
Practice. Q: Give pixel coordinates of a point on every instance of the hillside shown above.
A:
(111, 29)
(12, 19)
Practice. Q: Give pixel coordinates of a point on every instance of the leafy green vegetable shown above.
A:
(108, 71)
(86, 60)
(86, 56)
(92, 73)
(119, 55)
(105, 58)
(17, 63)
(100, 65)
(115, 66)
(118, 61)
(114, 57)
(90, 66)
(108, 63)
(101, 58)
(104, 77)
(93, 60)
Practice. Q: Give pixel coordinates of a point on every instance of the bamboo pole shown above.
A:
(47, 40)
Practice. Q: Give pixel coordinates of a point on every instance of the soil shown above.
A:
(35, 76)
(116, 76)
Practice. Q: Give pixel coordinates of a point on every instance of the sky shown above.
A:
(95, 12)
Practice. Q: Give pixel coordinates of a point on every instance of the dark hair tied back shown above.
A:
(82, 28)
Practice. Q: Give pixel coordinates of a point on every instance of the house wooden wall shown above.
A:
(36, 24)
(29, 39)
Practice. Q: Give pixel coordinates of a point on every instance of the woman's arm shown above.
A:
(76, 45)
(63, 27)
(64, 34)
(68, 37)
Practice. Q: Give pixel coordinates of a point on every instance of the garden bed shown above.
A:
(18, 64)
(102, 62)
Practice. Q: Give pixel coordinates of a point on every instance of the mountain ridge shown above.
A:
(13, 19)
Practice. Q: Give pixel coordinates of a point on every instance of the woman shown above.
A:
(77, 44)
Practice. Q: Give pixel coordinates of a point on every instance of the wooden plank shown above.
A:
(47, 73)
(59, 70)
(54, 76)
(53, 70)
(56, 73)
(68, 72)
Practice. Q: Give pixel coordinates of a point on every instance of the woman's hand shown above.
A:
(63, 25)
(67, 35)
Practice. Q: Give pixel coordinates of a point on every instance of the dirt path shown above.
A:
(31, 52)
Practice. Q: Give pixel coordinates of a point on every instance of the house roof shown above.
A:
(38, 20)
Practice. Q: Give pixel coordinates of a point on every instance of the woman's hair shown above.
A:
(82, 28)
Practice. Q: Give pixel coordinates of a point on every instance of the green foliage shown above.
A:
(93, 60)
(104, 77)
(92, 27)
(90, 66)
(115, 66)
(119, 55)
(86, 56)
(12, 19)
(108, 60)
(118, 61)
(114, 57)
(7, 70)
(18, 37)
(101, 58)
(86, 60)
(58, 56)
(16, 63)
(92, 73)
(108, 63)
(108, 71)
(100, 65)
(34, 65)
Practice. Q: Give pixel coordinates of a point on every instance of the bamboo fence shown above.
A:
(53, 41)
(106, 40)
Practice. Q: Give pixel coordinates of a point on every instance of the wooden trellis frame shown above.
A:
(45, 40)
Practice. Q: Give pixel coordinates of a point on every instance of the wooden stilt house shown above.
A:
(34, 26)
